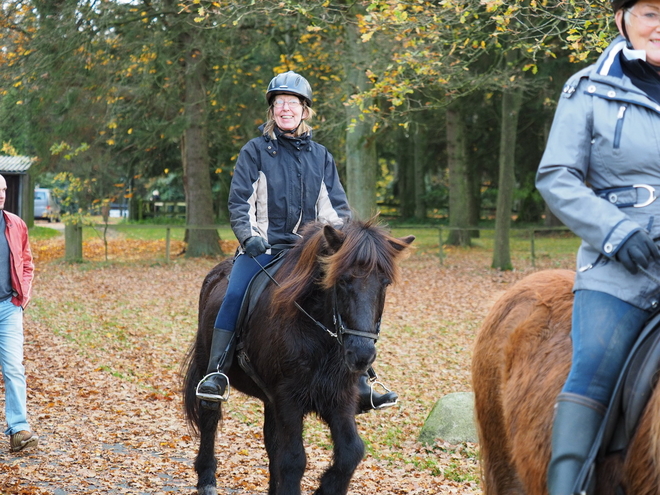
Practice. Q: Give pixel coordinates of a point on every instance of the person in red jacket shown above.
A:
(16, 274)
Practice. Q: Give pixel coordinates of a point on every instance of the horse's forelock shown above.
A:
(366, 246)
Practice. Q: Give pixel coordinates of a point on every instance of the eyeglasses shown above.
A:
(293, 104)
(648, 19)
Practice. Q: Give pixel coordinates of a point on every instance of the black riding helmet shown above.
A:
(622, 4)
(289, 83)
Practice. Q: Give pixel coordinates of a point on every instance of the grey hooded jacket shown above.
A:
(600, 174)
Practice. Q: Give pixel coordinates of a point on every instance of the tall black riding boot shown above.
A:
(368, 398)
(576, 424)
(214, 387)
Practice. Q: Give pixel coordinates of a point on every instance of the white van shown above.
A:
(45, 206)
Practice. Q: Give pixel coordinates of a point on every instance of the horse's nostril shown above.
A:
(359, 359)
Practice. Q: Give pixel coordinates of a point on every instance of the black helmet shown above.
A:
(290, 83)
(622, 4)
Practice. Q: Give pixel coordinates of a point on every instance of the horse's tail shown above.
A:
(191, 377)
(196, 359)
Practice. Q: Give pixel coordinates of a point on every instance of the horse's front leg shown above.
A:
(205, 463)
(270, 442)
(283, 429)
(348, 452)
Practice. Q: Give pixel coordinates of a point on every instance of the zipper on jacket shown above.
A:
(619, 126)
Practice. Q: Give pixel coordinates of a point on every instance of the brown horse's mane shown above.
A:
(313, 263)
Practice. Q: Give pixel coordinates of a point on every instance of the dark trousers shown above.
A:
(244, 269)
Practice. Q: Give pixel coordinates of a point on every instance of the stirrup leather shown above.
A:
(213, 397)
(373, 380)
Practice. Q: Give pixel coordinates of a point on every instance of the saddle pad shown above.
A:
(637, 382)
(256, 287)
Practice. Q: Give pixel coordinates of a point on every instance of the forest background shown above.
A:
(436, 111)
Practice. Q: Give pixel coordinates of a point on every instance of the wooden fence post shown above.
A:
(167, 245)
(441, 253)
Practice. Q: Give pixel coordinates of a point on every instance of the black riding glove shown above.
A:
(638, 251)
(255, 245)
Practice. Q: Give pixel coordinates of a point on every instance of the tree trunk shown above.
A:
(73, 251)
(361, 161)
(474, 200)
(406, 175)
(195, 157)
(511, 102)
(459, 191)
(419, 145)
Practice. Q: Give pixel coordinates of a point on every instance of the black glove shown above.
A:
(638, 250)
(255, 245)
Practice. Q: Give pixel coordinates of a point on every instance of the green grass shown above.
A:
(158, 232)
(427, 237)
(43, 233)
(546, 243)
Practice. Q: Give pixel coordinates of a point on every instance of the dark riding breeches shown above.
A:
(242, 272)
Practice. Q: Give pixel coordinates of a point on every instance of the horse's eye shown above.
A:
(386, 281)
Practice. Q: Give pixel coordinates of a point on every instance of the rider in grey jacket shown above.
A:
(600, 175)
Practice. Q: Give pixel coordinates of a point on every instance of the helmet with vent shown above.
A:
(289, 83)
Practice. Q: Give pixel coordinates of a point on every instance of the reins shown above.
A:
(340, 328)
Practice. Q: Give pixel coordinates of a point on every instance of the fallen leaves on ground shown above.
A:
(104, 343)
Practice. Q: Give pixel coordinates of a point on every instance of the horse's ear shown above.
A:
(403, 243)
(333, 237)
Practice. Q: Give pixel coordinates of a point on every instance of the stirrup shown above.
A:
(373, 380)
(213, 397)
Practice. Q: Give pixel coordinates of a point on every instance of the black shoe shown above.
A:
(369, 399)
(213, 388)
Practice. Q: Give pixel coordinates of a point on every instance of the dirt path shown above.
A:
(103, 348)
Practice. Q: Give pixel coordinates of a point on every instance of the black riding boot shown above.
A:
(576, 424)
(214, 385)
(368, 398)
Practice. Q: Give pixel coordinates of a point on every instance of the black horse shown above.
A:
(308, 340)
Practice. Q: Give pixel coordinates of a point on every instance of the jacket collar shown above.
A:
(608, 63)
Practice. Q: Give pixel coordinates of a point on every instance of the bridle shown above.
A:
(339, 328)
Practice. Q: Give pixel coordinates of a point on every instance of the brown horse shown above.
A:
(521, 358)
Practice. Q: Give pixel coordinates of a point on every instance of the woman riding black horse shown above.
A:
(282, 181)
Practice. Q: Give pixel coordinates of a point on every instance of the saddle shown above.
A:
(255, 288)
(631, 394)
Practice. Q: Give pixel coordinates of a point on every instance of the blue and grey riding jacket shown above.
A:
(600, 173)
(281, 184)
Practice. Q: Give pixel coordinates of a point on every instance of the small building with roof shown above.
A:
(20, 194)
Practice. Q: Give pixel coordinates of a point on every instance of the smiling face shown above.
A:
(288, 111)
(642, 26)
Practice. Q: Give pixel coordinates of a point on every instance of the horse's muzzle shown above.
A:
(359, 353)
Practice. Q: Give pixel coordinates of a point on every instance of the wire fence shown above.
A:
(443, 233)
(531, 233)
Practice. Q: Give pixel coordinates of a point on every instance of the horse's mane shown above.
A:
(314, 263)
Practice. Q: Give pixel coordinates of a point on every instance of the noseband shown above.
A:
(338, 323)
(341, 329)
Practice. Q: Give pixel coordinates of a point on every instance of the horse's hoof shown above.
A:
(207, 490)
